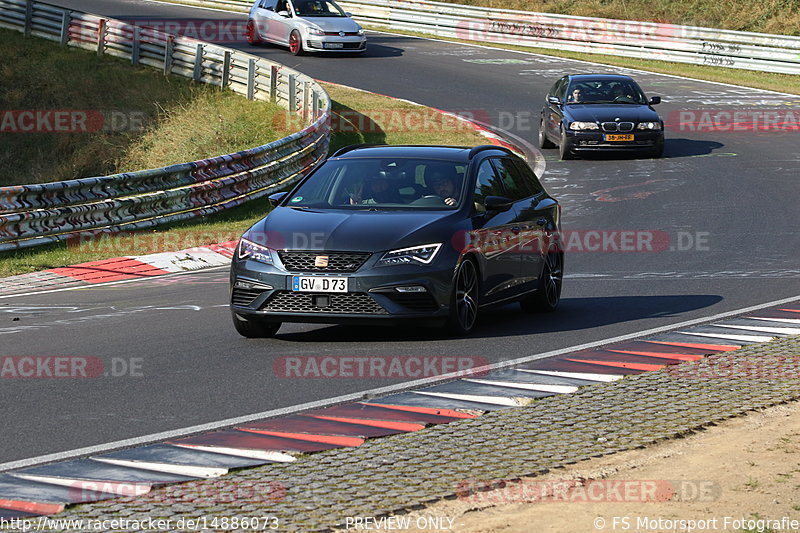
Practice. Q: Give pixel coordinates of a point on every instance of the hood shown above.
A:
(609, 113)
(354, 231)
(332, 23)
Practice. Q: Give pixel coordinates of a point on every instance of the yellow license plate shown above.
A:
(619, 137)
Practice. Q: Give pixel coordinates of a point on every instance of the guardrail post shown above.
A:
(101, 37)
(28, 18)
(251, 79)
(65, 20)
(168, 48)
(292, 93)
(226, 68)
(273, 84)
(314, 106)
(198, 63)
(306, 100)
(136, 46)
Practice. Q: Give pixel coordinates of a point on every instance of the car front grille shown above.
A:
(337, 34)
(244, 297)
(350, 303)
(617, 126)
(413, 301)
(336, 261)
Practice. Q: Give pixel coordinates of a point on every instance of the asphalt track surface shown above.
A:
(725, 200)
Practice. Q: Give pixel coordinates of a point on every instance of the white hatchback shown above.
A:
(304, 26)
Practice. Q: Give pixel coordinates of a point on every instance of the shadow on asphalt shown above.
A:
(573, 314)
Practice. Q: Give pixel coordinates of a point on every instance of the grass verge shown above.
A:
(767, 16)
(126, 118)
(360, 117)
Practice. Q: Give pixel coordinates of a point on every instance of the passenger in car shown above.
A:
(377, 189)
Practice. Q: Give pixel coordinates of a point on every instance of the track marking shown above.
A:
(360, 396)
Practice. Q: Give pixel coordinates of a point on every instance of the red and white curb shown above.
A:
(120, 269)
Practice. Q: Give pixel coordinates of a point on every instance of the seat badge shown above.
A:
(321, 261)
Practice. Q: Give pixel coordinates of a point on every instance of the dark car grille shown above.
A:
(617, 126)
(344, 303)
(337, 261)
(244, 297)
(413, 301)
(336, 33)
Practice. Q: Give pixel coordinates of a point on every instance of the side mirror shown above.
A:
(497, 203)
(348, 14)
(277, 198)
(655, 100)
(284, 13)
(555, 100)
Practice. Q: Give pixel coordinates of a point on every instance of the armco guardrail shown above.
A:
(43, 213)
(647, 40)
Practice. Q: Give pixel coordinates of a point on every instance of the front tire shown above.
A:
(544, 142)
(295, 43)
(253, 328)
(251, 33)
(464, 299)
(548, 293)
(564, 148)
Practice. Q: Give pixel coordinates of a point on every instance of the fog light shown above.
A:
(242, 284)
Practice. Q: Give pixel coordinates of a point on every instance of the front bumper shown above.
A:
(596, 141)
(317, 43)
(265, 291)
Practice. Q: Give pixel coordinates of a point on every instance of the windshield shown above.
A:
(605, 92)
(318, 8)
(382, 184)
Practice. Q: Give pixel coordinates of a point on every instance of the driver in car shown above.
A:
(444, 183)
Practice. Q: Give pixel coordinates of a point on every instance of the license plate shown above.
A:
(618, 137)
(318, 284)
(333, 45)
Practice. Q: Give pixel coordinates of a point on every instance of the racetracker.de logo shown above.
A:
(502, 491)
(734, 120)
(66, 367)
(71, 121)
(376, 366)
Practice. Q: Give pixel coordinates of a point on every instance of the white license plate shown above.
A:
(333, 45)
(318, 284)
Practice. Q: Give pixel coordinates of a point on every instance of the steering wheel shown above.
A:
(429, 200)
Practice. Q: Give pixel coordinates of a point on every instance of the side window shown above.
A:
(268, 4)
(515, 185)
(559, 88)
(487, 184)
(528, 177)
(282, 5)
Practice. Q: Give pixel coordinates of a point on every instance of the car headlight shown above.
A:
(415, 255)
(256, 252)
(584, 126)
(655, 126)
(315, 31)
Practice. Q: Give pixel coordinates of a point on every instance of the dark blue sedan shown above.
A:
(379, 234)
(598, 112)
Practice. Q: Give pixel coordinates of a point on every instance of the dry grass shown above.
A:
(157, 120)
(768, 16)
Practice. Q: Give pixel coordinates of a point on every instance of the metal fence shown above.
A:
(49, 212)
(646, 40)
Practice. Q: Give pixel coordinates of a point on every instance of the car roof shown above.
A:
(449, 153)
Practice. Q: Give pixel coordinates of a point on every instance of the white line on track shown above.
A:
(363, 395)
